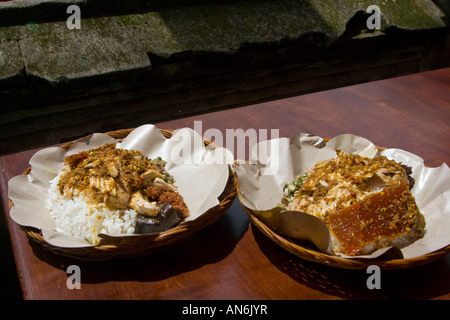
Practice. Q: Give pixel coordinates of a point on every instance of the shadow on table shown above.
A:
(197, 251)
(9, 281)
(418, 283)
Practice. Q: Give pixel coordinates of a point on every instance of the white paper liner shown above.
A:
(277, 162)
(201, 176)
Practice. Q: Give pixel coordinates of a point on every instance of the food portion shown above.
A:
(365, 202)
(114, 191)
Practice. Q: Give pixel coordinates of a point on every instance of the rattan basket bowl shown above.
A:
(309, 254)
(307, 251)
(136, 246)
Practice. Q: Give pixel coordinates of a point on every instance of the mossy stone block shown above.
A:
(11, 63)
(97, 48)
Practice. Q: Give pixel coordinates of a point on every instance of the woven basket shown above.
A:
(306, 251)
(135, 246)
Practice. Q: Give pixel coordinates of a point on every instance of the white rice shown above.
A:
(84, 220)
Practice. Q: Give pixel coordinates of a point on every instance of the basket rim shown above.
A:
(107, 251)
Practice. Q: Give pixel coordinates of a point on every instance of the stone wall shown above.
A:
(149, 62)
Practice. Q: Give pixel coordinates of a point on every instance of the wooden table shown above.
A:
(231, 259)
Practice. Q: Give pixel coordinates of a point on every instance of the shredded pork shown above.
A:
(365, 202)
(340, 182)
(121, 179)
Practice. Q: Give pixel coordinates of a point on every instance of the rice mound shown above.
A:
(85, 220)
